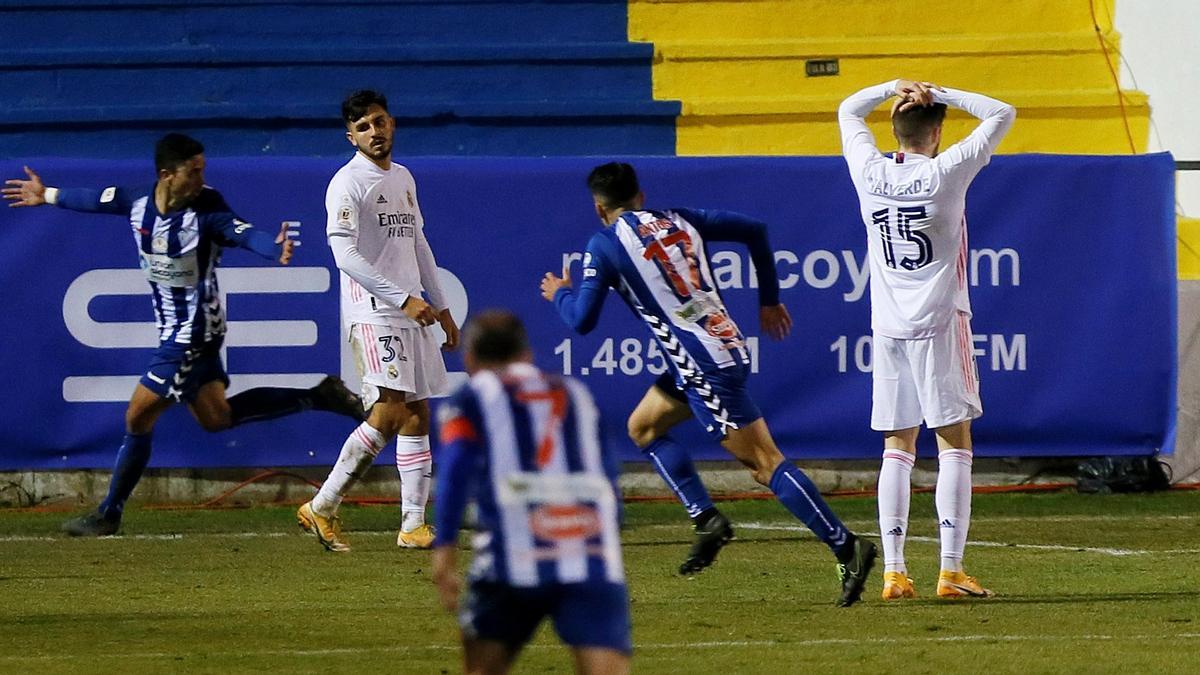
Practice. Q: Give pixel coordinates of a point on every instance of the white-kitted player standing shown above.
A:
(377, 235)
(913, 205)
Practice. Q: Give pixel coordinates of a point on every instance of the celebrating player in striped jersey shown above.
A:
(377, 235)
(913, 205)
(527, 447)
(180, 226)
(656, 260)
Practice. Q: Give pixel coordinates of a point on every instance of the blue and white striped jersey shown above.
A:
(179, 253)
(527, 447)
(657, 261)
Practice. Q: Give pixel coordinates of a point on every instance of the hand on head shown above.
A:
(912, 93)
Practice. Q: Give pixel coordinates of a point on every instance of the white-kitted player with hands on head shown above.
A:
(913, 205)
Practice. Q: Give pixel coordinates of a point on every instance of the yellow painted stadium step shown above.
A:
(883, 20)
(1047, 61)
(1189, 249)
(1074, 122)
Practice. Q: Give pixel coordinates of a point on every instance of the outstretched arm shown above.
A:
(233, 231)
(735, 227)
(581, 309)
(32, 192)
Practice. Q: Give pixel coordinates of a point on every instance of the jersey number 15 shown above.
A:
(904, 218)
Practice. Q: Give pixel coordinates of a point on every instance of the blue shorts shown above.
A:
(584, 615)
(177, 371)
(719, 399)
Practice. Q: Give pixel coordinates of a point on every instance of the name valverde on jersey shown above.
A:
(914, 210)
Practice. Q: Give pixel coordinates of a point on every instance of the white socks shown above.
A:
(358, 453)
(953, 499)
(895, 477)
(414, 462)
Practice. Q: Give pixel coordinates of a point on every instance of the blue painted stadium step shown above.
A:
(105, 78)
(405, 111)
(595, 135)
(299, 75)
(384, 24)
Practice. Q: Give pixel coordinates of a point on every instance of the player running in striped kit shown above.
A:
(657, 262)
(913, 206)
(180, 226)
(377, 235)
(526, 446)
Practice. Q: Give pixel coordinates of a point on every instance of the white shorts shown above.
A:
(932, 379)
(401, 359)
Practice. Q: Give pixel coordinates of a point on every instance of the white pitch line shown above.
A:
(991, 544)
(649, 646)
(177, 536)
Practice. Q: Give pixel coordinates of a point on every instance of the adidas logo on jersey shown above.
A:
(946, 523)
(381, 200)
(896, 532)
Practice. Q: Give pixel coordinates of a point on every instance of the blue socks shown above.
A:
(131, 462)
(675, 466)
(798, 495)
(267, 403)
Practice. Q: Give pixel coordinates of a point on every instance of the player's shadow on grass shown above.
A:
(1092, 597)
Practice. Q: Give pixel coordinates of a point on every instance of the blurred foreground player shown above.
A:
(377, 235)
(180, 225)
(657, 262)
(913, 205)
(526, 446)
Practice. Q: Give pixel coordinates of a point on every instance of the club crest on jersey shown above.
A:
(159, 245)
(412, 203)
(720, 326)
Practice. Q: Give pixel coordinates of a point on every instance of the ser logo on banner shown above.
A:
(245, 333)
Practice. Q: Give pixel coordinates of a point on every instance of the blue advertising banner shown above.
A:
(1072, 273)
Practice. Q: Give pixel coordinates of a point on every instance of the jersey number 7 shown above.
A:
(904, 218)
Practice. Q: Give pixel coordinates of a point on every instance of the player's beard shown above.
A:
(378, 151)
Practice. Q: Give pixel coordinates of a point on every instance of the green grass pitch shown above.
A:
(1085, 584)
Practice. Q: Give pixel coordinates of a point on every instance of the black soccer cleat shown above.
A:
(332, 395)
(710, 539)
(93, 524)
(855, 571)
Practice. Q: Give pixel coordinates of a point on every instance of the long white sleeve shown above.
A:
(976, 149)
(858, 143)
(350, 261)
(429, 271)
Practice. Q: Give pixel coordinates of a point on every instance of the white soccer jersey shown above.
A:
(914, 210)
(378, 235)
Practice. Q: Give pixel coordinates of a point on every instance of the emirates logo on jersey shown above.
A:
(559, 522)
